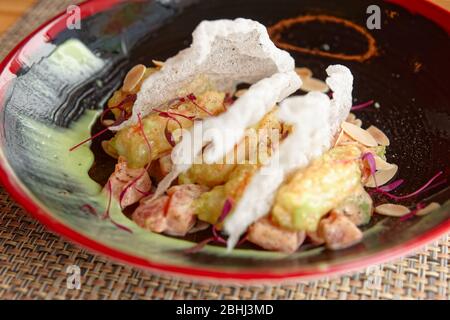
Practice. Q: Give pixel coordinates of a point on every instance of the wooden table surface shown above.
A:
(11, 10)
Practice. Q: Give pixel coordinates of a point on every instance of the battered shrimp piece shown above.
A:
(271, 237)
(253, 148)
(131, 144)
(135, 182)
(209, 205)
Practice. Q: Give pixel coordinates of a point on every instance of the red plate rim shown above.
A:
(9, 180)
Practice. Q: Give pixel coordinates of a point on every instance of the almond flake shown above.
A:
(351, 117)
(359, 134)
(313, 84)
(382, 177)
(379, 136)
(357, 122)
(239, 93)
(339, 138)
(382, 164)
(392, 210)
(158, 64)
(429, 208)
(304, 73)
(133, 78)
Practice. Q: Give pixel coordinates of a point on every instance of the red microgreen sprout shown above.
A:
(123, 117)
(193, 99)
(362, 105)
(228, 205)
(89, 209)
(199, 246)
(226, 209)
(408, 216)
(168, 135)
(216, 236)
(89, 139)
(172, 116)
(412, 194)
(227, 101)
(135, 180)
(106, 215)
(243, 239)
(391, 186)
(435, 185)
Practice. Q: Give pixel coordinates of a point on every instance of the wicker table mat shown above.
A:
(33, 261)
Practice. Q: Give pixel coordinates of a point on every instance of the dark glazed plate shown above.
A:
(54, 83)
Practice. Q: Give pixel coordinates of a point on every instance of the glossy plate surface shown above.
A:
(54, 83)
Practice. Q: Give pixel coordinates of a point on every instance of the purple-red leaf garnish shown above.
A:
(362, 105)
(368, 156)
(370, 159)
(226, 209)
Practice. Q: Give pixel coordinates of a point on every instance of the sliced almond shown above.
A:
(158, 63)
(351, 117)
(429, 208)
(359, 134)
(357, 122)
(382, 177)
(304, 73)
(344, 139)
(339, 138)
(379, 136)
(239, 93)
(108, 122)
(392, 210)
(133, 78)
(313, 84)
(381, 164)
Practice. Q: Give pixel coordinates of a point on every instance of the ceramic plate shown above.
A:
(54, 84)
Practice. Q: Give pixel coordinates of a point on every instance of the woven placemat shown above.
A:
(33, 261)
